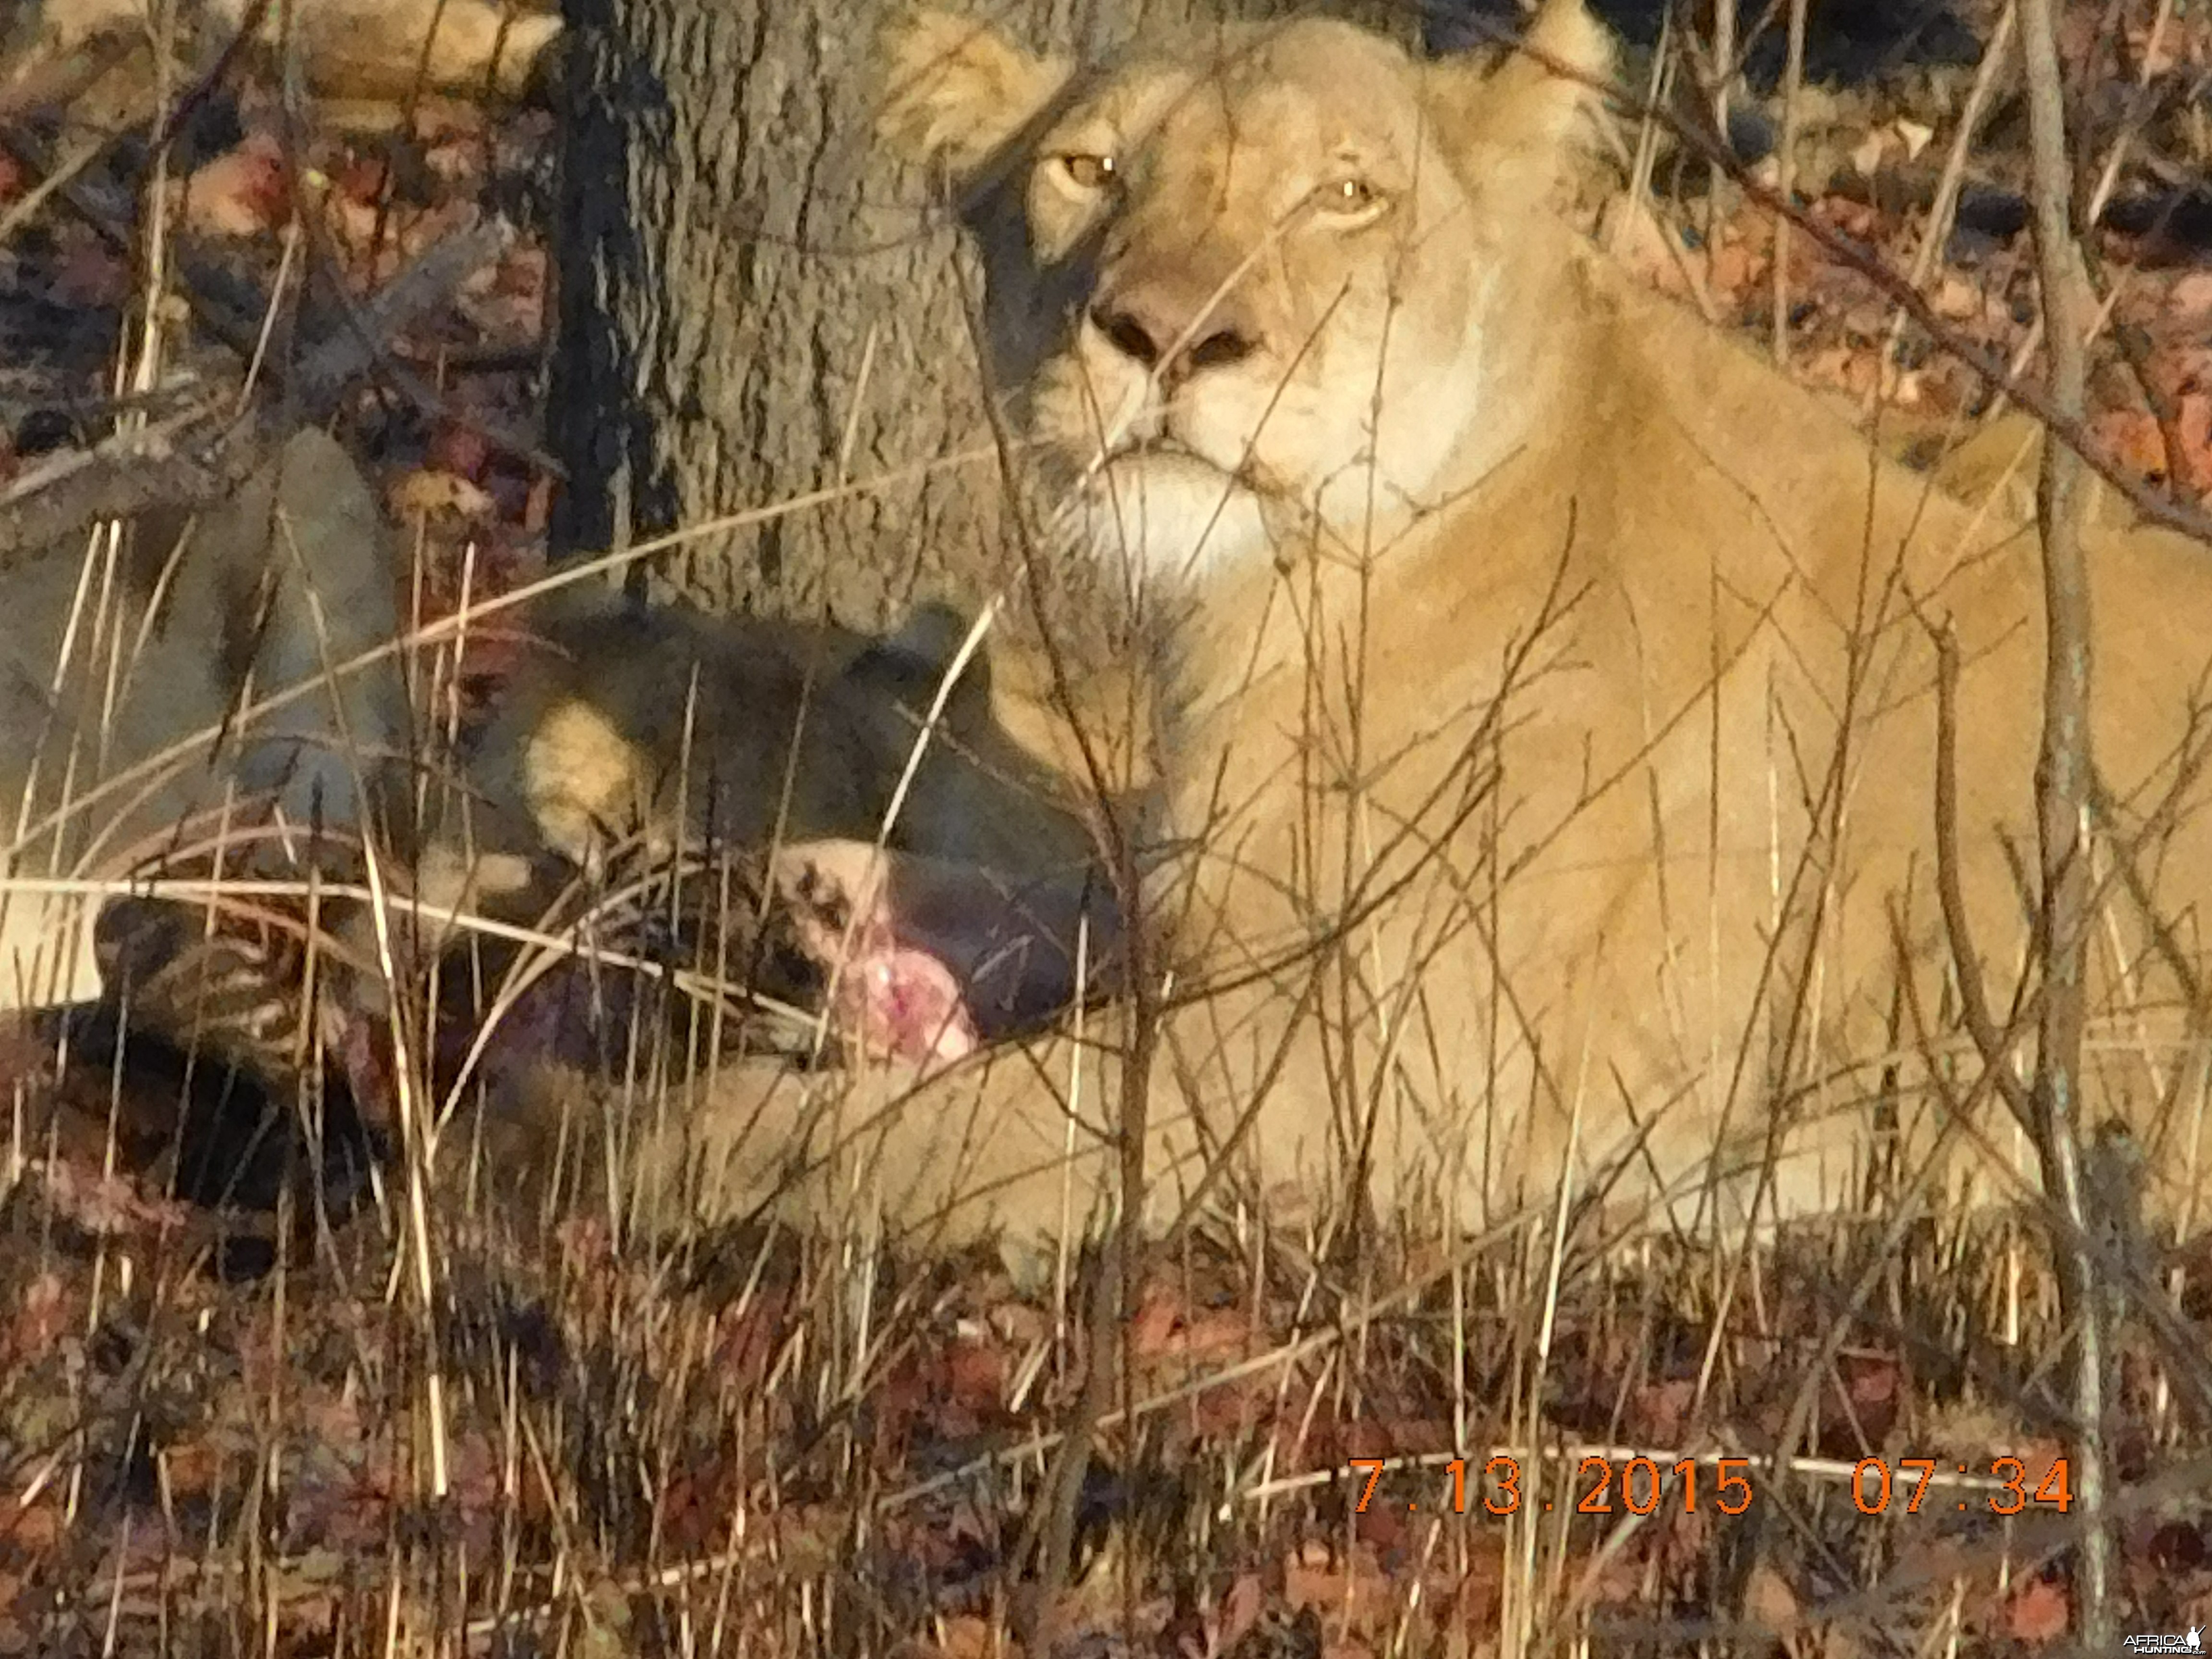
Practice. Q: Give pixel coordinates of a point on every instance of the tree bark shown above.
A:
(754, 305)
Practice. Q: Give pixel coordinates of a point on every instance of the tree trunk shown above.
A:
(753, 306)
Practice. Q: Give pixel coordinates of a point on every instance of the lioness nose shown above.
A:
(1175, 340)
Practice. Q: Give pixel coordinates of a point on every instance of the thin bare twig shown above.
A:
(1793, 81)
(1943, 209)
(194, 456)
(1994, 1045)
(2154, 505)
(1048, 1537)
(2063, 797)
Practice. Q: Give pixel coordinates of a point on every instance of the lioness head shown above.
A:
(1269, 272)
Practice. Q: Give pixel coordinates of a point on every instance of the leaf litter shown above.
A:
(584, 1445)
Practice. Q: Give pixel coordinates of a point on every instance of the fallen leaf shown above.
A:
(2193, 424)
(1658, 1411)
(462, 451)
(42, 1313)
(1153, 1330)
(1872, 1384)
(2132, 438)
(2038, 1612)
(1733, 267)
(2160, 56)
(1635, 237)
(1317, 1577)
(1769, 1603)
(1856, 219)
(36, 1526)
(1619, 1579)
(105, 1206)
(1481, 1591)
(1239, 1613)
(748, 1340)
(2191, 295)
(1956, 299)
(241, 192)
(977, 1375)
(425, 493)
(361, 179)
(85, 272)
(968, 1637)
(190, 1469)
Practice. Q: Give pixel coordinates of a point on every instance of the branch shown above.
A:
(2154, 505)
(197, 456)
(2063, 797)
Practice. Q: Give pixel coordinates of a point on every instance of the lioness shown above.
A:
(1551, 715)
(165, 693)
(133, 733)
(669, 732)
(132, 737)
(673, 723)
(364, 51)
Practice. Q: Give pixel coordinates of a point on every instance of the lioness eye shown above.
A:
(1088, 171)
(1347, 196)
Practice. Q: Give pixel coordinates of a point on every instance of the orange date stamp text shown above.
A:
(1909, 1485)
(1623, 1482)
(1603, 1485)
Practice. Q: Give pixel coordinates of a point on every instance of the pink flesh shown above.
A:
(896, 1001)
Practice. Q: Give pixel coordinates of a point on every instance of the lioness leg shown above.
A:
(132, 685)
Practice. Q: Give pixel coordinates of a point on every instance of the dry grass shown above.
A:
(425, 1419)
(429, 1418)
(764, 1443)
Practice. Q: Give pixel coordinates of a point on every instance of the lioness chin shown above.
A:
(1550, 691)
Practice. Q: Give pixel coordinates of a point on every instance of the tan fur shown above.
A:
(673, 727)
(367, 54)
(368, 50)
(670, 729)
(1554, 689)
(108, 663)
(948, 67)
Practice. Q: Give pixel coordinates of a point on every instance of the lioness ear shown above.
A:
(1520, 117)
(959, 91)
(922, 653)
